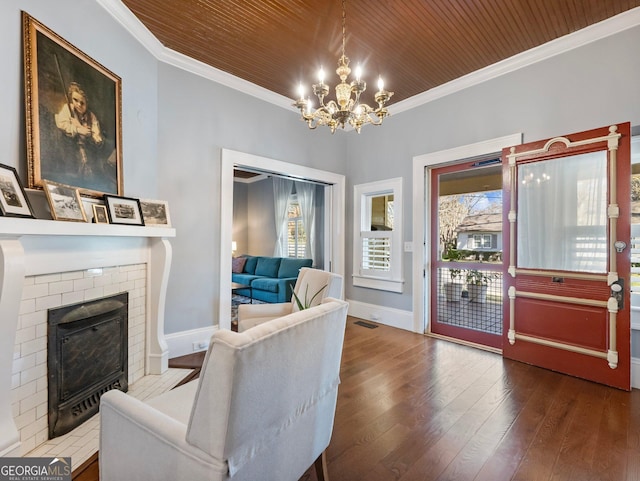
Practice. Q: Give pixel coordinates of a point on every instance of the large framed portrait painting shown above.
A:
(73, 113)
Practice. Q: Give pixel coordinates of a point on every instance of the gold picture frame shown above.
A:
(64, 202)
(100, 215)
(73, 115)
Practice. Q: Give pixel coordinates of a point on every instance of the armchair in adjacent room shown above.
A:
(309, 283)
(259, 411)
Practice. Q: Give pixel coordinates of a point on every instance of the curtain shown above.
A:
(562, 207)
(281, 193)
(306, 200)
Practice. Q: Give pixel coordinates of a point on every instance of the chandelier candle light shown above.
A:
(346, 110)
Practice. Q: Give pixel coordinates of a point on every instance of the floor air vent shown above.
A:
(368, 325)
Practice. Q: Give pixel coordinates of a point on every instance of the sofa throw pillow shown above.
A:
(268, 266)
(237, 264)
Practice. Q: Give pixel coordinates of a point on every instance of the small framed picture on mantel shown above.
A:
(155, 213)
(13, 199)
(100, 215)
(123, 210)
(64, 202)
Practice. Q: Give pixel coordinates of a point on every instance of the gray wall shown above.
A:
(240, 217)
(592, 86)
(253, 217)
(175, 123)
(261, 215)
(197, 118)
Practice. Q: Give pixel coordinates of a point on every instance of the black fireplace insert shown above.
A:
(86, 357)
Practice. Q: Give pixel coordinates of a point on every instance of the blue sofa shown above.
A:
(271, 278)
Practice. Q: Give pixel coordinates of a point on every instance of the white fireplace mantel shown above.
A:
(31, 247)
(15, 226)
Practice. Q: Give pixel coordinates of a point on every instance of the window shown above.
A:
(482, 241)
(563, 203)
(376, 254)
(377, 235)
(296, 234)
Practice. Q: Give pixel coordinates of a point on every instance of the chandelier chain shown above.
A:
(344, 26)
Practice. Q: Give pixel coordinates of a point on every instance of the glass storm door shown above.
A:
(466, 248)
(567, 242)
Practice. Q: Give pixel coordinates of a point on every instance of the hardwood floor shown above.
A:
(413, 408)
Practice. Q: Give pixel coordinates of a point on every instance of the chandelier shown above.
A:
(347, 109)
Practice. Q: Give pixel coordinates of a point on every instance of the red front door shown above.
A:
(566, 243)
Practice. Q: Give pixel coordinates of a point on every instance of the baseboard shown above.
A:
(181, 343)
(381, 314)
(635, 372)
(14, 450)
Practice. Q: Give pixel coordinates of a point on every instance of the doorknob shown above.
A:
(620, 246)
(617, 292)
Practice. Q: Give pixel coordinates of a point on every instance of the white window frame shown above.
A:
(392, 279)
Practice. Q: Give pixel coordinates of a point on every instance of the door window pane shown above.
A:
(562, 206)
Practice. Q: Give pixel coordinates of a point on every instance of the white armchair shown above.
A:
(309, 282)
(262, 409)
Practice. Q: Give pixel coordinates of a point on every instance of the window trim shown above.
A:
(391, 280)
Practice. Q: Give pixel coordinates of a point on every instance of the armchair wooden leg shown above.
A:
(322, 473)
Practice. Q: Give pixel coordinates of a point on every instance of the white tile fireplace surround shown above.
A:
(45, 264)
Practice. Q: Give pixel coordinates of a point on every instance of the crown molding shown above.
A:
(592, 33)
(133, 25)
(137, 29)
(181, 61)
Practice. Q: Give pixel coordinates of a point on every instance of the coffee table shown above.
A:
(236, 286)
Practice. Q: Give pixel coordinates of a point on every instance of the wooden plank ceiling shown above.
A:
(415, 45)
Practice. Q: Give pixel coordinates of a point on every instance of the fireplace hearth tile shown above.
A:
(29, 382)
(81, 443)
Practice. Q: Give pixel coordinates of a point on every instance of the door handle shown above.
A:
(617, 292)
